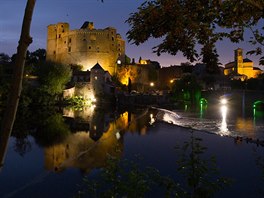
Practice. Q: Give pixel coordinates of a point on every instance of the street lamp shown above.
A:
(118, 62)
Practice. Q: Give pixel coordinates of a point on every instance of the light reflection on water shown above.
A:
(95, 134)
(222, 120)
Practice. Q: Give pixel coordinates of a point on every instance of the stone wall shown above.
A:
(85, 47)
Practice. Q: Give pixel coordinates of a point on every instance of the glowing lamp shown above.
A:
(223, 101)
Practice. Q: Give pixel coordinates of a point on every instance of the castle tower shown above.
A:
(54, 40)
(97, 79)
(238, 59)
(85, 46)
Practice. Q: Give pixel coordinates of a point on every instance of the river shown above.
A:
(49, 154)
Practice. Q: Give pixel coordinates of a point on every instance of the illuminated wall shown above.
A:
(139, 75)
(85, 46)
(80, 151)
(242, 66)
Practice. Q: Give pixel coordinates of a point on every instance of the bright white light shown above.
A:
(151, 84)
(223, 127)
(118, 135)
(152, 120)
(224, 111)
(223, 101)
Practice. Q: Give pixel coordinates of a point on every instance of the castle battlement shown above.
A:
(85, 46)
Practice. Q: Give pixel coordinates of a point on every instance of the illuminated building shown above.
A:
(90, 84)
(141, 74)
(85, 46)
(241, 67)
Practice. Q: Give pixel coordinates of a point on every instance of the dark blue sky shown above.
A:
(75, 12)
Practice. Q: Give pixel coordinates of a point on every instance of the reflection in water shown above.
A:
(168, 116)
(92, 133)
(223, 126)
(246, 127)
(103, 136)
(152, 119)
(223, 119)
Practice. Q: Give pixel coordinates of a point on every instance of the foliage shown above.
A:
(200, 174)
(76, 67)
(52, 130)
(78, 102)
(53, 77)
(125, 178)
(187, 89)
(187, 26)
(4, 59)
(127, 60)
(33, 59)
(152, 74)
(250, 84)
(6, 68)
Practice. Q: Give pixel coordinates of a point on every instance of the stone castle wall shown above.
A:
(85, 46)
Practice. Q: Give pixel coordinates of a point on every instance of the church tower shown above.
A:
(238, 59)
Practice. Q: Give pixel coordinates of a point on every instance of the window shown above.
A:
(90, 47)
(69, 49)
(69, 40)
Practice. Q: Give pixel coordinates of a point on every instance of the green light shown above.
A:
(258, 105)
(203, 101)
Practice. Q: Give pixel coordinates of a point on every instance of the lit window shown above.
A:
(95, 77)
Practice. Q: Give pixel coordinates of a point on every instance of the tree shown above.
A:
(4, 59)
(16, 85)
(33, 59)
(187, 89)
(188, 25)
(53, 77)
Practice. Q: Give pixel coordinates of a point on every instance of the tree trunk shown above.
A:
(16, 84)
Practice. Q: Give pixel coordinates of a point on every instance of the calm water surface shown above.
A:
(49, 156)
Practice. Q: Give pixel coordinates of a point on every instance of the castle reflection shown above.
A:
(95, 135)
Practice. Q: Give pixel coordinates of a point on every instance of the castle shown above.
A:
(240, 66)
(85, 46)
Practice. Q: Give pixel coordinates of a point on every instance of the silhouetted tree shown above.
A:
(190, 26)
(16, 85)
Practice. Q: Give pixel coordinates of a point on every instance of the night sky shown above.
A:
(110, 13)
